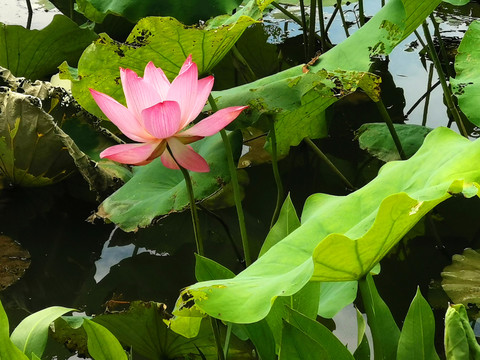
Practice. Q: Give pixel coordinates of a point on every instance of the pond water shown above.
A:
(78, 264)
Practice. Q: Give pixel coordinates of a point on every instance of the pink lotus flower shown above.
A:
(158, 114)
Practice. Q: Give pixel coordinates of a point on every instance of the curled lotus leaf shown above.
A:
(362, 227)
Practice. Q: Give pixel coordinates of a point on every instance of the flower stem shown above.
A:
(324, 157)
(276, 175)
(236, 188)
(193, 207)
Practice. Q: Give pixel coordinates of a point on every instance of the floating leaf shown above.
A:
(14, 261)
(377, 140)
(461, 279)
(362, 226)
(32, 333)
(35, 54)
(155, 190)
(466, 84)
(418, 332)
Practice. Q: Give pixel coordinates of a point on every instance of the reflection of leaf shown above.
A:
(466, 84)
(461, 279)
(35, 54)
(376, 139)
(186, 11)
(362, 227)
(162, 40)
(14, 260)
(155, 190)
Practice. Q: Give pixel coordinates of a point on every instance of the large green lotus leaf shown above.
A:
(342, 238)
(461, 279)
(376, 139)
(163, 40)
(298, 111)
(155, 190)
(35, 54)
(466, 84)
(186, 11)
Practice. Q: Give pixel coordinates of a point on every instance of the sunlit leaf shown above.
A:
(163, 40)
(460, 341)
(334, 296)
(35, 54)
(461, 279)
(362, 226)
(7, 349)
(155, 190)
(32, 333)
(377, 140)
(466, 84)
(102, 345)
(418, 332)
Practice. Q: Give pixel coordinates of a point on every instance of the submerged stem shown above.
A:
(446, 88)
(386, 117)
(276, 175)
(342, 16)
(327, 161)
(193, 206)
(236, 189)
(304, 29)
(427, 98)
(311, 31)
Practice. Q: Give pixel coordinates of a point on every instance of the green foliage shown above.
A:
(7, 349)
(185, 11)
(35, 54)
(155, 190)
(466, 84)
(460, 341)
(376, 139)
(362, 226)
(418, 332)
(163, 40)
(32, 333)
(102, 345)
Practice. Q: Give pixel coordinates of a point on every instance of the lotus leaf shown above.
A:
(155, 190)
(461, 279)
(362, 227)
(466, 84)
(14, 261)
(7, 349)
(35, 54)
(376, 139)
(163, 40)
(186, 11)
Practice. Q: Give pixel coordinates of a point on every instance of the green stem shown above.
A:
(276, 175)
(427, 98)
(30, 14)
(321, 21)
(311, 31)
(245, 69)
(227, 340)
(236, 188)
(361, 12)
(304, 29)
(446, 89)
(193, 206)
(216, 335)
(327, 161)
(386, 117)
(342, 16)
(420, 99)
(443, 51)
(330, 21)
